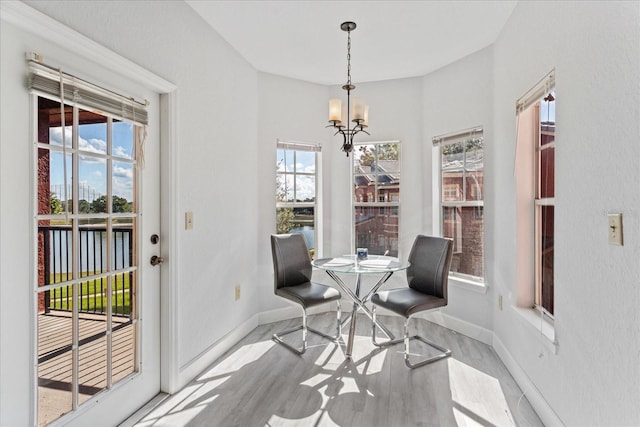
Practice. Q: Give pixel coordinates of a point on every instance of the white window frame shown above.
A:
(532, 99)
(528, 208)
(390, 203)
(317, 205)
(475, 283)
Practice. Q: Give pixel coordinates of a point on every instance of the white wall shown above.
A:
(216, 144)
(15, 229)
(595, 48)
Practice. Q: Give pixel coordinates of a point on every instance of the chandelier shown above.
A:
(360, 116)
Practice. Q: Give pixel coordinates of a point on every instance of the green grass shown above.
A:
(91, 294)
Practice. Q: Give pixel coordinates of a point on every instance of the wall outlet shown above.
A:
(188, 220)
(237, 292)
(615, 229)
(500, 302)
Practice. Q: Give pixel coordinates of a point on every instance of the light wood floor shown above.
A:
(261, 383)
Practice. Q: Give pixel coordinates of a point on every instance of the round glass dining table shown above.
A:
(384, 266)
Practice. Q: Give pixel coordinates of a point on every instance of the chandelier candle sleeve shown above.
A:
(358, 110)
(335, 110)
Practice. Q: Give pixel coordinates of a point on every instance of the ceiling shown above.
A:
(393, 39)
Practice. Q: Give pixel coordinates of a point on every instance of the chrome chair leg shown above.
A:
(444, 352)
(305, 329)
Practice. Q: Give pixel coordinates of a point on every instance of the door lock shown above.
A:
(156, 260)
(155, 239)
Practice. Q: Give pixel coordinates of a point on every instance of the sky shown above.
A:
(92, 139)
(304, 163)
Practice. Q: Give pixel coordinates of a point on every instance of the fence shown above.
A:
(57, 261)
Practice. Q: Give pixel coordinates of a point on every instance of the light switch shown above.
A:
(188, 220)
(615, 229)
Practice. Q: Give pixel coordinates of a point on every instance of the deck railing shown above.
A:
(57, 260)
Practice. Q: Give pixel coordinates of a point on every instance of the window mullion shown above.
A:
(75, 264)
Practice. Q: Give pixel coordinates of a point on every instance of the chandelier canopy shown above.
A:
(360, 116)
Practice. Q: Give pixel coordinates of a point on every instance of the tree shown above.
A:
(55, 204)
(284, 216)
(384, 152)
(99, 204)
(120, 204)
(84, 206)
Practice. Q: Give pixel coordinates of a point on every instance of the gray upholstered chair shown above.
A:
(292, 280)
(427, 277)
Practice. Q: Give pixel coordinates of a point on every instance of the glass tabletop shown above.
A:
(351, 264)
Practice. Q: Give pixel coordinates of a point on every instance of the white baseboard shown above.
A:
(533, 395)
(455, 324)
(461, 326)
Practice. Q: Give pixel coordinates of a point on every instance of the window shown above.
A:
(296, 189)
(535, 175)
(376, 196)
(460, 197)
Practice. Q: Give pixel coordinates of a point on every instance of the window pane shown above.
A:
(376, 230)
(548, 119)
(123, 348)
(123, 243)
(297, 221)
(305, 162)
(284, 160)
(122, 187)
(285, 188)
(92, 132)
(474, 167)
(547, 172)
(93, 251)
(546, 256)
(92, 355)
(49, 122)
(54, 359)
(452, 167)
(51, 189)
(92, 188)
(465, 226)
(361, 188)
(281, 189)
(305, 188)
(123, 139)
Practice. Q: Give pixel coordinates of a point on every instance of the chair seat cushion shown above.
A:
(407, 301)
(309, 294)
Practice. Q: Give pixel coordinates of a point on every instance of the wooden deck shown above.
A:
(55, 359)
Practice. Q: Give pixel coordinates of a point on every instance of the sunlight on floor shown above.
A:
(241, 357)
(477, 397)
(323, 388)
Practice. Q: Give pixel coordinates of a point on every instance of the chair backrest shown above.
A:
(291, 260)
(430, 260)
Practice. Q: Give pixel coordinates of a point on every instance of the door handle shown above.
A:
(156, 260)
